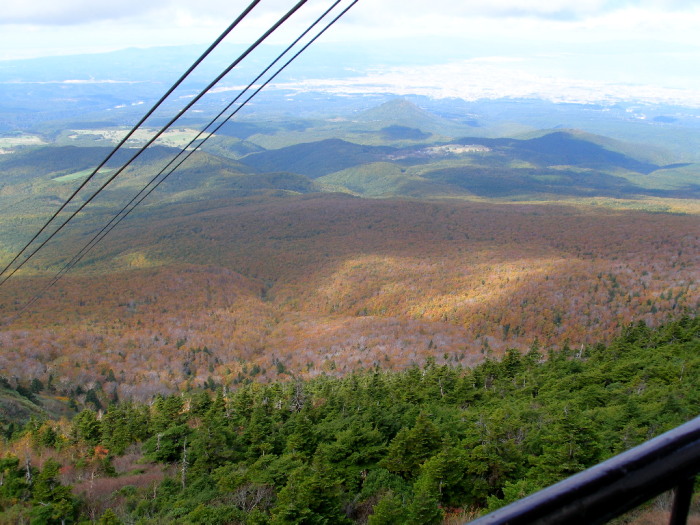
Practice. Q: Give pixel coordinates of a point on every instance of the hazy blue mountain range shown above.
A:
(48, 95)
(59, 116)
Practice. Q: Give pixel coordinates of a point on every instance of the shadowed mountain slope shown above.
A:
(316, 159)
(563, 148)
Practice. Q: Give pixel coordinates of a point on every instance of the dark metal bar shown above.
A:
(613, 487)
(681, 502)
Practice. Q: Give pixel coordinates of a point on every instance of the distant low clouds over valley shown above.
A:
(563, 50)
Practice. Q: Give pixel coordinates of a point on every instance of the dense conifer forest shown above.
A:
(421, 445)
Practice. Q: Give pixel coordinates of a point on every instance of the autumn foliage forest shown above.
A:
(279, 287)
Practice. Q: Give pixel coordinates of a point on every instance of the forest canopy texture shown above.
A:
(412, 446)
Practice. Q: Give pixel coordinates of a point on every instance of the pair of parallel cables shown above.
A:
(194, 144)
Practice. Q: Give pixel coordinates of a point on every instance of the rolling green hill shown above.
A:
(562, 148)
(58, 161)
(560, 163)
(40, 179)
(317, 158)
(390, 150)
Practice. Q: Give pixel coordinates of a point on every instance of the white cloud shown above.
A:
(74, 12)
(76, 81)
(49, 27)
(564, 43)
(494, 78)
(390, 14)
(535, 20)
(154, 13)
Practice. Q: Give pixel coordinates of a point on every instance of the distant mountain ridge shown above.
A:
(317, 158)
(565, 148)
(395, 149)
(556, 163)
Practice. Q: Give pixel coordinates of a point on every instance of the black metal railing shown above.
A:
(616, 486)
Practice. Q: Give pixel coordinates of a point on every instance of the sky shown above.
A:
(579, 49)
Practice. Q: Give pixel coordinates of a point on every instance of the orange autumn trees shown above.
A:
(260, 289)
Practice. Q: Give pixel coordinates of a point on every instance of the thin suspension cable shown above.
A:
(107, 229)
(157, 135)
(240, 107)
(133, 130)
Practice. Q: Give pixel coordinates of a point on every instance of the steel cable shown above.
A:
(124, 212)
(132, 131)
(159, 133)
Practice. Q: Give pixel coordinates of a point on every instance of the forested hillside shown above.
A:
(416, 446)
(226, 290)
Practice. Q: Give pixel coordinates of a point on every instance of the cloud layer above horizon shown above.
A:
(77, 12)
(630, 41)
